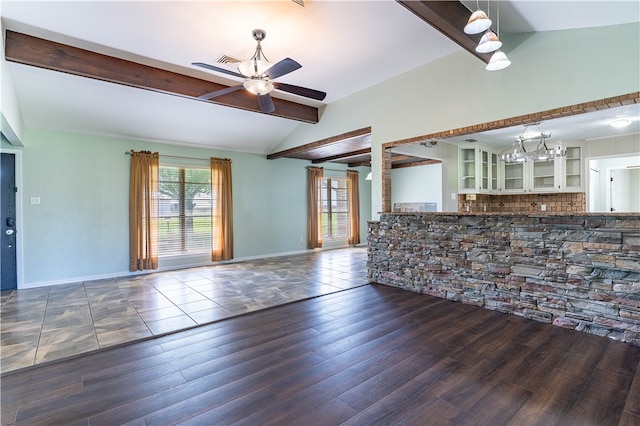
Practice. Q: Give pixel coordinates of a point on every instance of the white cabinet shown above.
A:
(572, 176)
(478, 170)
(513, 177)
(563, 174)
(467, 170)
(545, 176)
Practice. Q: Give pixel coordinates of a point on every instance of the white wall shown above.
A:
(607, 154)
(420, 184)
(549, 70)
(624, 190)
(627, 182)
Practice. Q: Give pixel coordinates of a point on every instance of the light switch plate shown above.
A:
(34, 200)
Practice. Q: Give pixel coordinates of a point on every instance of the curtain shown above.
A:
(314, 207)
(222, 211)
(143, 211)
(354, 207)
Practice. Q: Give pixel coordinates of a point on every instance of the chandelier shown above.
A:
(542, 152)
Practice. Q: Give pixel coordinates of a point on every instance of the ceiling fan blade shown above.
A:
(220, 92)
(281, 68)
(301, 91)
(266, 103)
(217, 69)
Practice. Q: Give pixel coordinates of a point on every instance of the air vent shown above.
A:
(303, 3)
(226, 59)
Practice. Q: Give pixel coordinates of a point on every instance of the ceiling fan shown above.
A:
(259, 74)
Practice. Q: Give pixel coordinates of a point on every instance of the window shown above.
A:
(184, 211)
(335, 209)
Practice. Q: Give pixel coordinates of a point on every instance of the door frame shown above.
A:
(19, 227)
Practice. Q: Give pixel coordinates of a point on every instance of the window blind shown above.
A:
(184, 210)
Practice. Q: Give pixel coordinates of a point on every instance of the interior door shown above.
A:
(624, 190)
(8, 271)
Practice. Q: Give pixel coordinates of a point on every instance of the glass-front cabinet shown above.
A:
(467, 170)
(513, 177)
(562, 174)
(481, 171)
(478, 170)
(572, 173)
(494, 171)
(543, 175)
(530, 176)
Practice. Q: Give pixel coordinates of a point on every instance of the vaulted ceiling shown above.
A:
(343, 46)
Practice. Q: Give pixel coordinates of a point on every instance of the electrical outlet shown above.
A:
(543, 207)
(34, 200)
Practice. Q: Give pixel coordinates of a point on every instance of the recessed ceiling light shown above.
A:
(620, 122)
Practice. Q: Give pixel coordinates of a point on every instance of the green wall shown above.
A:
(549, 70)
(80, 229)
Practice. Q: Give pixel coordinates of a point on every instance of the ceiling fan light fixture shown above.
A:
(253, 67)
(498, 61)
(489, 42)
(478, 22)
(258, 86)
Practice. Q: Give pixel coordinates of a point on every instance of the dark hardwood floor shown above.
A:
(369, 355)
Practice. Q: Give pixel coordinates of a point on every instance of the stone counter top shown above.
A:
(541, 214)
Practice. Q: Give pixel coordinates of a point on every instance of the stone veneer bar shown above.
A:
(579, 271)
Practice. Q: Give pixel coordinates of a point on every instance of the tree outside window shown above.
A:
(335, 209)
(184, 211)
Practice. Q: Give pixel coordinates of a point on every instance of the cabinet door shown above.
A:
(573, 169)
(467, 169)
(494, 172)
(543, 176)
(484, 171)
(513, 177)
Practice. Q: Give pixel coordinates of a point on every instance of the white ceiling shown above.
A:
(588, 126)
(333, 40)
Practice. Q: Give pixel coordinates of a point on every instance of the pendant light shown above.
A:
(489, 42)
(478, 22)
(499, 60)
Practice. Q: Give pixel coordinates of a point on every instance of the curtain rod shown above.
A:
(174, 156)
(332, 170)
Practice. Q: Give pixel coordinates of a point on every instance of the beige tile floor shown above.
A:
(49, 323)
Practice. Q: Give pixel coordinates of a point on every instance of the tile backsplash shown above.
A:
(565, 202)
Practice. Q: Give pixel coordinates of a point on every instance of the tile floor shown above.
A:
(48, 323)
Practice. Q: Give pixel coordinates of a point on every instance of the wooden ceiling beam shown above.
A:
(318, 144)
(401, 157)
(360, 164)
(342, 156)
(38, 52)
(415, 164)
(448, 17)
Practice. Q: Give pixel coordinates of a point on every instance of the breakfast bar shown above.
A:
(578, 271)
